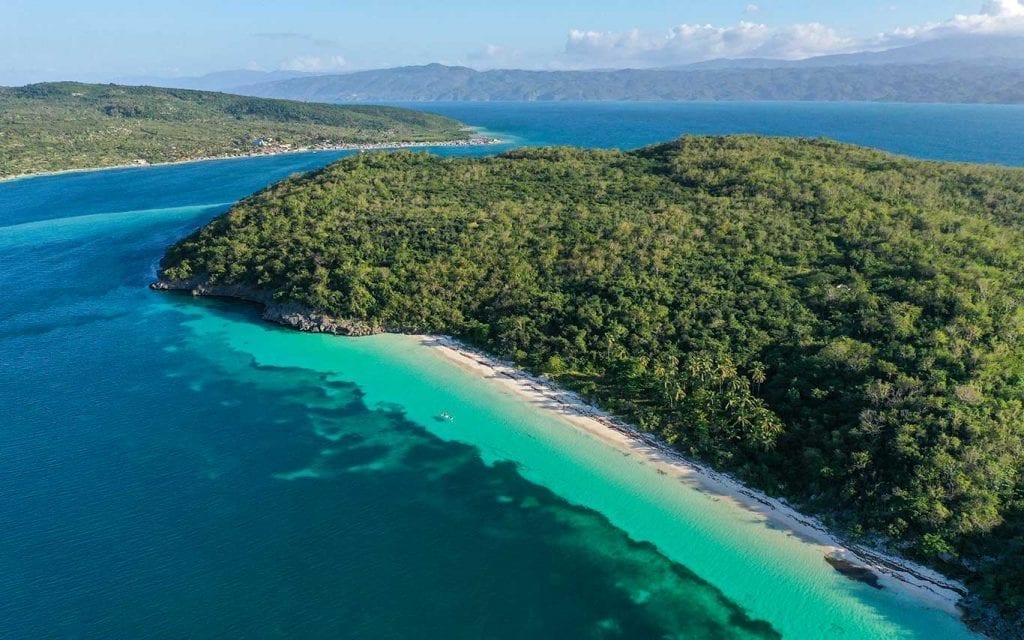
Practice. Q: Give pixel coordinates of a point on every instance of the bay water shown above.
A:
(174, 468)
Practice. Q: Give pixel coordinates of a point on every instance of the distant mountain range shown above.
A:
(947, 82)
(966, 69)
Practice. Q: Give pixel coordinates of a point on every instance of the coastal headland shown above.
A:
(58, 126)
(830, 324)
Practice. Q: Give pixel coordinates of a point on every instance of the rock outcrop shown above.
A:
(289, 314)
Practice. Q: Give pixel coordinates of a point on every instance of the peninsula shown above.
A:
(66, 125)
(833, 325)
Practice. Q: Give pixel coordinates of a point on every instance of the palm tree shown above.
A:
(758, 375)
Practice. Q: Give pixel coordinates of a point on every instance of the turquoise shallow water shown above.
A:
(175, 468)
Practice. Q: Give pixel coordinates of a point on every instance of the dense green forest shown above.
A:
(65, 125)
(834, 324)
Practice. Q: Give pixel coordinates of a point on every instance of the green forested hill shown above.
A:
(836, 325)
(65, 125)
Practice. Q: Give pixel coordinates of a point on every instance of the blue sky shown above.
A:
(103, 39)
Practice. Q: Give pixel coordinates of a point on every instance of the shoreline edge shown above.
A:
(473, 141)
(899, 574)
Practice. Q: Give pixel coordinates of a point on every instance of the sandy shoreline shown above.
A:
(474, 141)
(894, 573)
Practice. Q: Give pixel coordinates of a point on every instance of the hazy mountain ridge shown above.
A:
(967, 82)
(980, 69)
(972, 68)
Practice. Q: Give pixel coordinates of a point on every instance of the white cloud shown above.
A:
(1004, 8)
(695, 42)
(690, 43)
(315, 64)
(996, 17)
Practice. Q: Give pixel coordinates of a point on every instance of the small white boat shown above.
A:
(446, 416)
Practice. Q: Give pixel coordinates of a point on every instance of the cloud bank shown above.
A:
(997, 17)
(688, 43)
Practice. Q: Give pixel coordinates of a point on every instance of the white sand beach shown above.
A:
(893, 573)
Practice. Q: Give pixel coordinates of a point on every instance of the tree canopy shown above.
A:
(70, 125)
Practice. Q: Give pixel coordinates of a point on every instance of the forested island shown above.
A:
(834, 325)
(69, 125)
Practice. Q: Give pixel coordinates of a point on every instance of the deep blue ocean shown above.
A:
(175, 468)
(960, 133)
